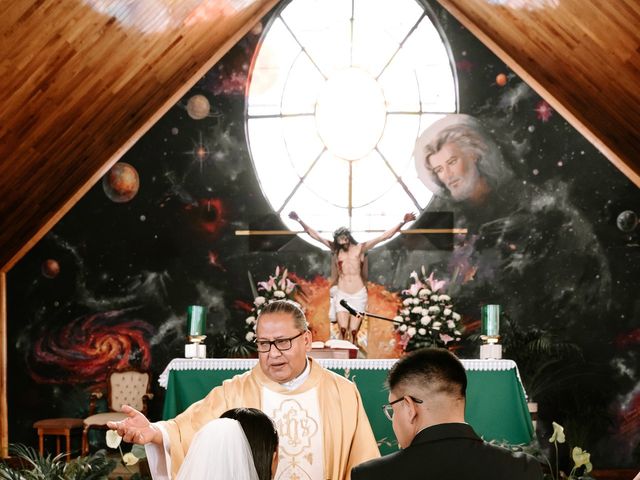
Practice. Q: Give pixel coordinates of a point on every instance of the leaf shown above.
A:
(39, 467)
(139, 451)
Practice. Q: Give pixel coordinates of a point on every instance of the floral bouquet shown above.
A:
(426, 317)
(278, 287)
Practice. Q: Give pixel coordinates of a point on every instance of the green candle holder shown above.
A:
(196, 323)
(490, 323)
(196, 328)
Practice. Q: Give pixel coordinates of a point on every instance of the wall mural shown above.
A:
(553, 239)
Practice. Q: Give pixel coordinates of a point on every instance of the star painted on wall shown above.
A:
(543, 111)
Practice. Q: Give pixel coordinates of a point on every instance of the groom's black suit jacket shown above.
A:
(450, 451)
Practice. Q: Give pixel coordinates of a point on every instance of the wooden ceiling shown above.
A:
(81, 82)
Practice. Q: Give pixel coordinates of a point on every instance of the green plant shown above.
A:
(581, 458)
(545, 360)
(38, 467)
(581, 465)
(224, 345)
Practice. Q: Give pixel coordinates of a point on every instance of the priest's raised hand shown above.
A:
(136, 428)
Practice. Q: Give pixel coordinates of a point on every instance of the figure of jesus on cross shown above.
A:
(349, 272)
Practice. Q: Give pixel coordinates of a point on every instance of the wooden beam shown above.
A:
(4, 429)
(409, 231)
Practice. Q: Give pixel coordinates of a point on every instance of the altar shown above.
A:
(496, 404)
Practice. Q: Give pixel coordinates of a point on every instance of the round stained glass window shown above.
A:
(339, 92)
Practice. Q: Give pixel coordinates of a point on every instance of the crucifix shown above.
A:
(349, 265)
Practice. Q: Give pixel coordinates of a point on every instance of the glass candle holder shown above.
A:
(490, 323)
(196, 323)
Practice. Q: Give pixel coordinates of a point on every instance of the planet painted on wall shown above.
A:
(121, 183)
(50, 268)
(627, 221)
(198, 107)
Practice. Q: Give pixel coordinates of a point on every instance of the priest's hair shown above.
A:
(286, 306)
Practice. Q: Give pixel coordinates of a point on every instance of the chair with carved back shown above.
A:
(124, 387)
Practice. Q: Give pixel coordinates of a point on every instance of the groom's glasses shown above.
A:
(388, 408)
(282, 344)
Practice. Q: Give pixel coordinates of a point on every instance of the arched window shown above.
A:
(339, 91)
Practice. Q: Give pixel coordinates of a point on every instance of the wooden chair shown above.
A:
(58, 427)
(130, 387)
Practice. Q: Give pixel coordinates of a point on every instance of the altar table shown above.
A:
(496, 403)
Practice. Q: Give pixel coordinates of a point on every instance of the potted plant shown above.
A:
(542, 356)
(30, 465)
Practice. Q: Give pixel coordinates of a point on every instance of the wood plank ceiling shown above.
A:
(81, 81)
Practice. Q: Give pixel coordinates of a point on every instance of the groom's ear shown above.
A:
(412, 410)
(274, 463)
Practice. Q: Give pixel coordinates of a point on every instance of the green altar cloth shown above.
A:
(496, 405)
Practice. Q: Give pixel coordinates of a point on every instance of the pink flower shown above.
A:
(283, 280)
(268, 286)
(404, 341)
(290, 286)
(434, 284)
(445, 338)
(414, 289)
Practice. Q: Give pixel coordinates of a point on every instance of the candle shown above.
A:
(196, 317)
(491, 320)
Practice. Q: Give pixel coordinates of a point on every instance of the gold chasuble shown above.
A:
(323, 417)
(301, 445)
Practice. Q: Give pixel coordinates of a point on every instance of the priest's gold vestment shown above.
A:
(347, 436)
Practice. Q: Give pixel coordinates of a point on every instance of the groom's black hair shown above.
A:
(435, 369)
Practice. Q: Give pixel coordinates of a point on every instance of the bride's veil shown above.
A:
(219, 451)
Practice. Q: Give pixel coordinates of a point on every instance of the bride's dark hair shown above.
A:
(261, 434)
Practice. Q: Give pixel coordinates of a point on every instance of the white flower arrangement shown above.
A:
(427, 315)
(279, 286)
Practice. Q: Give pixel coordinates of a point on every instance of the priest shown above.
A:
(322, 425)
